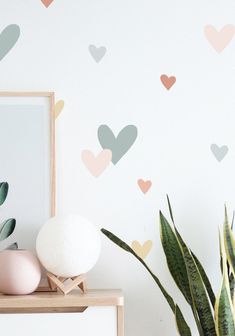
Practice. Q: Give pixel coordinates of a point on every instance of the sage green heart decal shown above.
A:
(219, 152)
(97, 53)
(118, 145)
(8, 39)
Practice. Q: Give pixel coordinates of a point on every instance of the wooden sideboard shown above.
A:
(98, 312)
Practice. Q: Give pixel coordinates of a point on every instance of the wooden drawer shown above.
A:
(99, 321)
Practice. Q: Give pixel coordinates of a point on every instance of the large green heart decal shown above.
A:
(118, 145)
(8, 38)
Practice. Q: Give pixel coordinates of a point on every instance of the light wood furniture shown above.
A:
(66, 285)
(102, 304)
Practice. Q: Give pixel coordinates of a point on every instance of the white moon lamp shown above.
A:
(68, 247)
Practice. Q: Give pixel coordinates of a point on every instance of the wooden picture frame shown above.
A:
(26, 115)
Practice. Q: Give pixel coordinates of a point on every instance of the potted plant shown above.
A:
(8, 226)
(214, 316)
(20, 271)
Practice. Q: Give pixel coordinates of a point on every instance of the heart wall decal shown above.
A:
(219, 40)
(142, 250)
(168, 82)
(219, 151)
(118, 145)
(58, 108)
(47, 3)
(144, 185)
(8, 38)
(96, 164)
(97, 52)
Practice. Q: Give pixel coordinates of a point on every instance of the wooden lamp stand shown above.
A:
(56, 282)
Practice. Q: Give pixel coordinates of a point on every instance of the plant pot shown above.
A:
(20, 272)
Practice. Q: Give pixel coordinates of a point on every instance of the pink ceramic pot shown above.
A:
(20, 272)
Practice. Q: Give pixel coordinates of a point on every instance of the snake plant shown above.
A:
(8, 226)
(214, 316)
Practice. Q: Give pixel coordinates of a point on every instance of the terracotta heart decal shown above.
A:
(58, 108)
(144, 185)
(219, 39)
(47, 3)
(168, 82)
(142, 250)
(96, 164)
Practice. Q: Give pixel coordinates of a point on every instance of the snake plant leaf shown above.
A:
(220, 252)
(175, 258)
(7, 228)
(182, 327)
(232, 285)
(3, 192)
(198, 292)
(170, 208)
(199, 265)
(224, 311)
(199, 295)
(127, 248)
(117, 241)
(233, 220)
(224, 314)
(201, 270)
(193, 307)
(221, 259)
(229, 243)
(205, 279)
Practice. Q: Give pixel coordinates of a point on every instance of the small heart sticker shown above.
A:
(144, 185)
(96, 164)
(97, 52)
(219, 40)
(58, 108)
(219, 151)
(47, 3)
(168, 82)
(142, 250)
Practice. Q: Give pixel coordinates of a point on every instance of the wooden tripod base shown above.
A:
(56, 282)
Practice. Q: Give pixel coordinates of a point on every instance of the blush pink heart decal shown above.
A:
(96, 164)
(47, 3)
(144, 185)
(168, 82)
(219, 39)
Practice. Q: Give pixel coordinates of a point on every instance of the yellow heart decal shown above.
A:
(58, 108)
(142, 250)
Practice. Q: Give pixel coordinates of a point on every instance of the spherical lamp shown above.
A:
(68, 246)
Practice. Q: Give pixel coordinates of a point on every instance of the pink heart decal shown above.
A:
(168, 82)
(144, 185)
(219, 39)
(96, 164)
(47, 3)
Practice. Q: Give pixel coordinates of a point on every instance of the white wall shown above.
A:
(176, 127)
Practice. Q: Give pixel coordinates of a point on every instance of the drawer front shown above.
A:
(94, 321)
